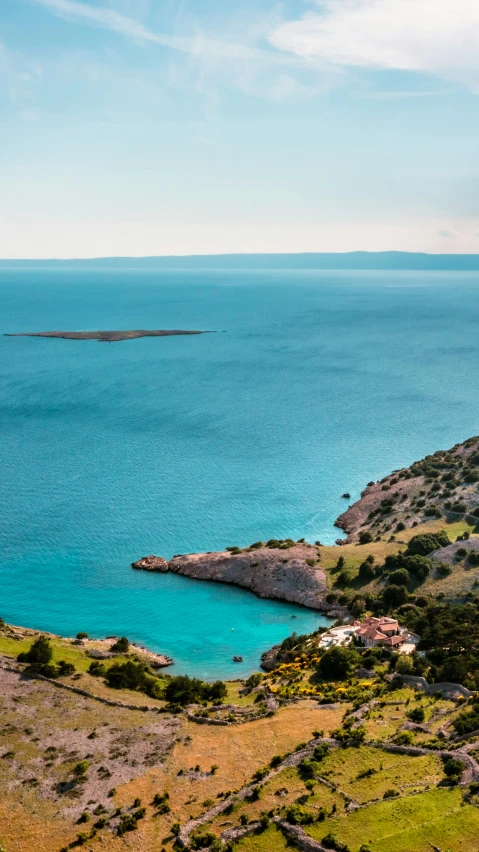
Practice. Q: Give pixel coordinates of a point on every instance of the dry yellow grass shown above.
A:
(238, 751)
(32, 827)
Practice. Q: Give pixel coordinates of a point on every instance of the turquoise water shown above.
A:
(321, 382)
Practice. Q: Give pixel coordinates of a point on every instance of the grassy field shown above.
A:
(62, 650)
(271, 840)
(415, 823)
(45, 731)
(459, 582)
(390, 771)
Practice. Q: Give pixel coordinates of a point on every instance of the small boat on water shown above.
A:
(237, 659)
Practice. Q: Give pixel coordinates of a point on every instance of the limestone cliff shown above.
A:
(288, 572)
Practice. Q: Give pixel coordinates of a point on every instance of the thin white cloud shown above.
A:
(387, 95)
(437, 37)
(111, 19)
(244, 59)
(448, 234)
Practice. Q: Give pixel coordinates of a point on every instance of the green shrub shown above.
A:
(81, 768)
(453, 766)
(297, 815)
(425, 543)
(121, 646)
(404, 738)
(330, 842)
(399, 577)
(417, 715)
(254, 680)
(338, 662)
(391, 794)
(40, 654)
(97, 669)
(185, 690)
(394, 596)
(204, 840)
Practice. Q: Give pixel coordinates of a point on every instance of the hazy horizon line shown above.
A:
(358, 259)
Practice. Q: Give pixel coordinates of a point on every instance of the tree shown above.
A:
(453, 766)
(190, 690)
(40, 653)
(217, 691)
(394, 596)
(127, 675)
(365, 537)
(183, 690)
(399, 577)
(366, 569)
(404, 664)
(358, 606)
(425, 543)
(338, 662)
(418, 565)
(121, 646)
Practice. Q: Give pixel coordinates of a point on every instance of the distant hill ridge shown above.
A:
(357, 260)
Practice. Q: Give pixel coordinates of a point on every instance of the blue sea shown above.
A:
(315, 383)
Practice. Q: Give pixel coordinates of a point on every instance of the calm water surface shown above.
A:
(321, 382)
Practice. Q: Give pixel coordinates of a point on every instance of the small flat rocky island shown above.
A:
(106, 336)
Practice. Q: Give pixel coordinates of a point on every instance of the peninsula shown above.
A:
(283, 570)
(107, 336)
(437, 493)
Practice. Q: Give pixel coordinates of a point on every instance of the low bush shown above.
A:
(330, 842)
(425, 543)
(297, 815)
(121, 646)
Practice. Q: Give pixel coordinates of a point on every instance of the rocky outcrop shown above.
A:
(448, 554)
(288, 574)
(151, 563)
(356, 518)
(448, 690)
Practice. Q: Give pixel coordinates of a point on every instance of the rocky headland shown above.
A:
(441, 485)
(106, 336)
(282, 570)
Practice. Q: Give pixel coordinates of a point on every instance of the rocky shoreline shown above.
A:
(97, 649)
(439, 485)
(285, 571)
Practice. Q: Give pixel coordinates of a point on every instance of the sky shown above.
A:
(155, 127)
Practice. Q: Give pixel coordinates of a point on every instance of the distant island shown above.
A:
(106, 336)
(354, 260)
